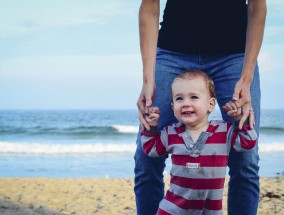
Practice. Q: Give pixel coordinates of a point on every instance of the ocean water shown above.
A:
(98, 143)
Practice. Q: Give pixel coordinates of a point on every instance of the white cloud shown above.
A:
(276, 30)
(265, 61)
(17, 17)
(277, 5)
(71, 81)
(74, 67)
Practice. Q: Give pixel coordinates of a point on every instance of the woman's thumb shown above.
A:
(148, 102)
(236, 96)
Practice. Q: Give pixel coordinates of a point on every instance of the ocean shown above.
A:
(99, 143)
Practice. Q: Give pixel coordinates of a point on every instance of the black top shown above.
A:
(204, 26)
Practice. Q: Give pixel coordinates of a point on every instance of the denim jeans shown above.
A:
(225, 71)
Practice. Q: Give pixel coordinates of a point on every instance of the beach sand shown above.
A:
(31, 196)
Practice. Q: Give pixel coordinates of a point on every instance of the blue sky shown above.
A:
(72, 54)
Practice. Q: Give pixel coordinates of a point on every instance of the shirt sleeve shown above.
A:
(155, 144)
(241, 139)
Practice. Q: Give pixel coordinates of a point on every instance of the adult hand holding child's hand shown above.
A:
(153, 116)
(234, 111)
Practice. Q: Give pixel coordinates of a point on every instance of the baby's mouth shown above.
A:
(187, 112)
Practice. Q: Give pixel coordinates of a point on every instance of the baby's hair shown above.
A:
(194, 73)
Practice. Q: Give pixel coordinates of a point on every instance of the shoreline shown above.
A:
(82, 196)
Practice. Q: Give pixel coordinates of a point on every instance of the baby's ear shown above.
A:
(212, 103)
(172, 104)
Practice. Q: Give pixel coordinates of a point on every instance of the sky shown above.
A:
(69, 54)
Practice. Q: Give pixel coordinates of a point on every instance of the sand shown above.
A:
(31, 196)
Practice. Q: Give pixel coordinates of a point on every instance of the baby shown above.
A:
(199, 148)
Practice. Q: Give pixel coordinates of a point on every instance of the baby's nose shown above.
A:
(186, 103)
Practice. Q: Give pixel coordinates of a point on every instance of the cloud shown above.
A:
(275, 30)
(276, 5)
(269, 61)
(264, 61)
(73, 69)
(17, 17)
(71, 81)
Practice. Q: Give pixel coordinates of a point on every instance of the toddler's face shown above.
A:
(191, 101)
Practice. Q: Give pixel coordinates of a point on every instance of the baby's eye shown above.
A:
(179, 98)
(194, 97)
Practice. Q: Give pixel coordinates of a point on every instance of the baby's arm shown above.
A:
(241, 139)
(154, 142)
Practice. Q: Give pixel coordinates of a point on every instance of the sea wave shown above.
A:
(96, 130)
(126, 128)
(40, 148)
(70, 131)
(272, 130)
(272, 147)
(45, 148)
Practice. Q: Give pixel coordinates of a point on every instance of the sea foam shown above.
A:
(89, 148)
(126, 128)
(43, 148)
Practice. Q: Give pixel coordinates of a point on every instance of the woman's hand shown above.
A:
(145, 102)
(236, 113)
(242, 99)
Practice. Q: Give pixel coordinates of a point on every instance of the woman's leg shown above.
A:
(149, 183)
(244, 180)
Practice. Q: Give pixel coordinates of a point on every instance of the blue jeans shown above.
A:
(225, 71)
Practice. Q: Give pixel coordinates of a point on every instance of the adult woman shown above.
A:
(222, 38)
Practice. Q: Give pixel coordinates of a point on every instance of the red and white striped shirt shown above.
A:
(198, 169)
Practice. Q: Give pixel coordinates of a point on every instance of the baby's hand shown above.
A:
(233, 111)
(153, 116)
